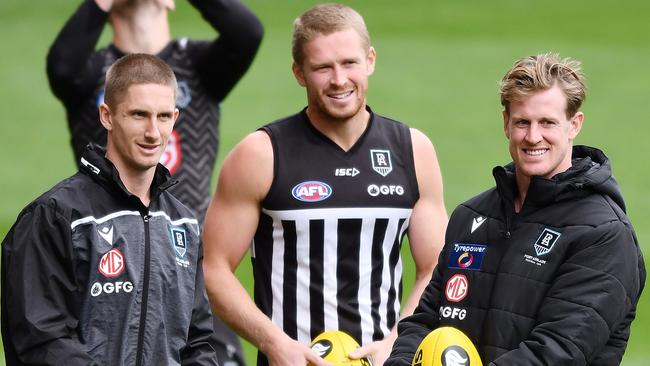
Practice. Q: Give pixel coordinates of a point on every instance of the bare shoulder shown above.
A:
(249, 166)
(423, 150)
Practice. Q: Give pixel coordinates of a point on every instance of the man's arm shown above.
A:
(39, 292)
(426, 235)
(198, 350)
(69, 71)
(225, 60)
(229, 228)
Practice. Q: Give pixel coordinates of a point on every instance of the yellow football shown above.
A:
(446, 346)
(334, 346)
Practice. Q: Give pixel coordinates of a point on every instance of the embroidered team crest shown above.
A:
(381, 161)
(179, 240)
(546, 240)
(184, 95)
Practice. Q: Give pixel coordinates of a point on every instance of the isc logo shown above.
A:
(112, 263)
(311, 191)
(346, 172)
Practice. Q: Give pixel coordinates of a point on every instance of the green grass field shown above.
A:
(438, 67)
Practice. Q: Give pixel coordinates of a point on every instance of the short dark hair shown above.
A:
(136, 68)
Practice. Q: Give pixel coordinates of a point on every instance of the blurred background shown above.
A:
(437, 70)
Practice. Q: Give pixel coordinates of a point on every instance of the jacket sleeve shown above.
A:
(412, 329)
(39, 291)
(585, 317)
(70, 71)
(222, 62)
(198, 350)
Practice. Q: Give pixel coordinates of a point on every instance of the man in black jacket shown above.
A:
(206, 72)
(543, 269)
(106, 267)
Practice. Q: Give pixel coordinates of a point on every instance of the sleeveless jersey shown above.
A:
(192, 149)
(326, 254)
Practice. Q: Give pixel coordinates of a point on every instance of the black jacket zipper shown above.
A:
(145, 292)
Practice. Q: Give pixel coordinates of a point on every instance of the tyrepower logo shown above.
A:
(311, 191)
(457, 288)
(110, 288)
(112, 263)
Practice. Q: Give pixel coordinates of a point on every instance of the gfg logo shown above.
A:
(453, 313)
(385, 190)
(110, 287)
(311, 191)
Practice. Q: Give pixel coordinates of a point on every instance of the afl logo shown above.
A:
(112, 263)
(311, 191)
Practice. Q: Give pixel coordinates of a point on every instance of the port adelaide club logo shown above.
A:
(381, 161)
(546, 241)
(179, 242)
(311, 191)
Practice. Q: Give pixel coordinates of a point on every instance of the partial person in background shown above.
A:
(325, 196)
(544, 268)
(105, 267)
(206, 71)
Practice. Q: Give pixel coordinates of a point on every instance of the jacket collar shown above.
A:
(590, 172)
(95, 164)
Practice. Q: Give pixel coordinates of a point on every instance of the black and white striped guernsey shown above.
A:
(326, 251)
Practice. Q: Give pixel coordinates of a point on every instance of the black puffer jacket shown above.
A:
(90, 276)
(555, 284)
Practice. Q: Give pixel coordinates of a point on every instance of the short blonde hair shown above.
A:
(325, 19)
(542, 72)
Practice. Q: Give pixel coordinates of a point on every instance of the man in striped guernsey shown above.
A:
(325, 197)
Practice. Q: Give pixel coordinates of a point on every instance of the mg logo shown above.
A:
(457, 288)
(112, 263)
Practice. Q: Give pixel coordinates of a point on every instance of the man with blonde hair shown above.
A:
(543, 269)
(106, 267)
(325, 196)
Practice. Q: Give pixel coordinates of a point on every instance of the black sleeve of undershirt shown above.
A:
(225, 60)
(70, 71)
